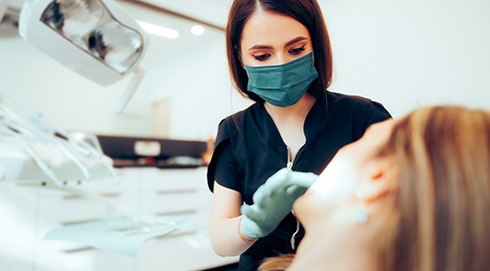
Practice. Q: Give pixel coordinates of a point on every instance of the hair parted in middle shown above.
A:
(307, 12)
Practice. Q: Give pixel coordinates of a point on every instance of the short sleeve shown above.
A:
(223, 166)
(372, 112)
(376, 112)
(226, 172)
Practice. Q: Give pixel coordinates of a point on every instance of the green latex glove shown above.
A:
(273, 201)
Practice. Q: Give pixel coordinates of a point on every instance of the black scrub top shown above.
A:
(249, 149)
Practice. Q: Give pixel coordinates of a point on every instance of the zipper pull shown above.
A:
(289, 165)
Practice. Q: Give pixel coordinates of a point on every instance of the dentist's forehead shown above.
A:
(271, 27)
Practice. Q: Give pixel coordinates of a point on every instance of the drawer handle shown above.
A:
(177, 191)
(178, 233)
(75, 222)
(111, 194)
(78, 249)
(177, 212)
(106, 195)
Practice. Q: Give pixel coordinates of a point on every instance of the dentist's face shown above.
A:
(271, 38)
(328, 207)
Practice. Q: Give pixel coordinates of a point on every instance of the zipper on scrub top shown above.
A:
(289, 164)
(290, 167)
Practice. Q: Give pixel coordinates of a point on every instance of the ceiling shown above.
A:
(209, 12)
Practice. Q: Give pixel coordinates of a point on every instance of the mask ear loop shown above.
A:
(293, 237)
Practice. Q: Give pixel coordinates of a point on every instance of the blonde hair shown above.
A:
(279, 263)
(439, 216)
(442, 204)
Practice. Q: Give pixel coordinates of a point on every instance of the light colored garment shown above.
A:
(122, 235)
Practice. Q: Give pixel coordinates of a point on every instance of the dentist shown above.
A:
(267, 155)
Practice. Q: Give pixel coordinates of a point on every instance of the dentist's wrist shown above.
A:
(245, 238)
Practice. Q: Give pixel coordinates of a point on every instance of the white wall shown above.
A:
(411, 53)
(198, 85)
(63, 97)
(401, 53)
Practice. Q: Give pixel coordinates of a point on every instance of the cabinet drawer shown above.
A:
(176, 202)
(64, 212)
(170, 179)
(84, 260)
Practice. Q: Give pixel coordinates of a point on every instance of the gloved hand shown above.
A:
(273, 201)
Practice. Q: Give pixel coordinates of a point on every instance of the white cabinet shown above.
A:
(28, 213)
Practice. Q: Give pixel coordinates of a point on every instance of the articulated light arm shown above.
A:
(94, 38)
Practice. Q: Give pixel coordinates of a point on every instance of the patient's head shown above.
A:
(424, 183)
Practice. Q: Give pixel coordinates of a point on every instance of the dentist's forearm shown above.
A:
(226, 239)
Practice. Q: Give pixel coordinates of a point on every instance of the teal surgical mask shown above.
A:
(282, 85)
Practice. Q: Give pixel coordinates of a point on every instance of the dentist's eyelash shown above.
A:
(261, 57)
(293, 51)
(296, 51)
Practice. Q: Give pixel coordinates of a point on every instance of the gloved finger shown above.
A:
(262, 196)
(277, 179)
(265, 201)
(278, 184)
(244, 208)
(285, 178)
(303, 179)
(273, 183)
(253, 212)
(295, 191)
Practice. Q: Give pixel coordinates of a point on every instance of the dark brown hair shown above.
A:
(307, 12)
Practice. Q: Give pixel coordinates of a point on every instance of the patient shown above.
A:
(412, 194)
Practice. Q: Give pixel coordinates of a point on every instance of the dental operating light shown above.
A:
(94, 38)
(3, 8)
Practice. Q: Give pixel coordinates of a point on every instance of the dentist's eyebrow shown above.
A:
(256, 47)
(289, 43)
(293, 41)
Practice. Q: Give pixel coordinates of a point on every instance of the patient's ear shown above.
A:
(379, 180)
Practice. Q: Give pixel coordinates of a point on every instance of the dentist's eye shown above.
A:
(262, 57)
(297, 51)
